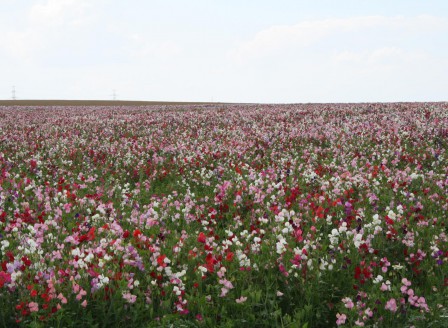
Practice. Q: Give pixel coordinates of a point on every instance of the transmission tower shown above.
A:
(114, 95)
(13, 93)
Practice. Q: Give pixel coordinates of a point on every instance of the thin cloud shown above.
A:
(58, 12)
(382, 55)
(142, 47)
(275, 39)
(45, 23)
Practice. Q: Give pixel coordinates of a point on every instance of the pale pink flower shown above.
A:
(224, 292)
(129, 297)
(422, 304)
(391, 305)
(413, 300)
(340, 319)
(82, 293)
(62, 298)
(405, 282)
(242, 299)
(348, 302)
(226, 283)
(67, 207)
(34, 307)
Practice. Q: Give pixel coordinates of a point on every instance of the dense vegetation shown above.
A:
(230, 216)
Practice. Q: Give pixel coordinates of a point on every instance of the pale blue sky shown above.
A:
(230, 51)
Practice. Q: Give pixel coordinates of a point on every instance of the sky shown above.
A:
(285, 51)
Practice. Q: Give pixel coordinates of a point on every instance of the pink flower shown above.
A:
(34, 307)
(67, 207)
(340, 319)
(62, 298)
(242, 299)
(405, 282)
(224, 292)
(422, 304)
(221, 272)
(391, 305)
(84, 304)
(348, 302)
(129, 297)
(226, 283)
(384, 263)
(82, 293)
(412, 300)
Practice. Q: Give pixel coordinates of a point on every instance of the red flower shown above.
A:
(4, 278)
(89, 236)
(137, 233)
(26, 261)
(229, 256)
(33, 164)
(362, 273)
(160, 260)
(211, 261)
(201, 238)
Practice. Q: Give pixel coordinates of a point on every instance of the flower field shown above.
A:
(224, 216)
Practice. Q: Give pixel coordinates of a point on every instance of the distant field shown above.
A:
(93, 103)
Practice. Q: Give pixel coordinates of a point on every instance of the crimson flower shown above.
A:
(201, 238)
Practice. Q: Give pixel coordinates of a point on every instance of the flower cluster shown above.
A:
(193, 211)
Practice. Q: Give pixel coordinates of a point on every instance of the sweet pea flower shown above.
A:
(340, 319)
(242, 299)
(33, 306)
(391, 305)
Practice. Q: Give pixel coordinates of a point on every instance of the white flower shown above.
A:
(102, 280)
(89, 258)
(397, 267)
(378, 279)
(5, 244)
(176, 290)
